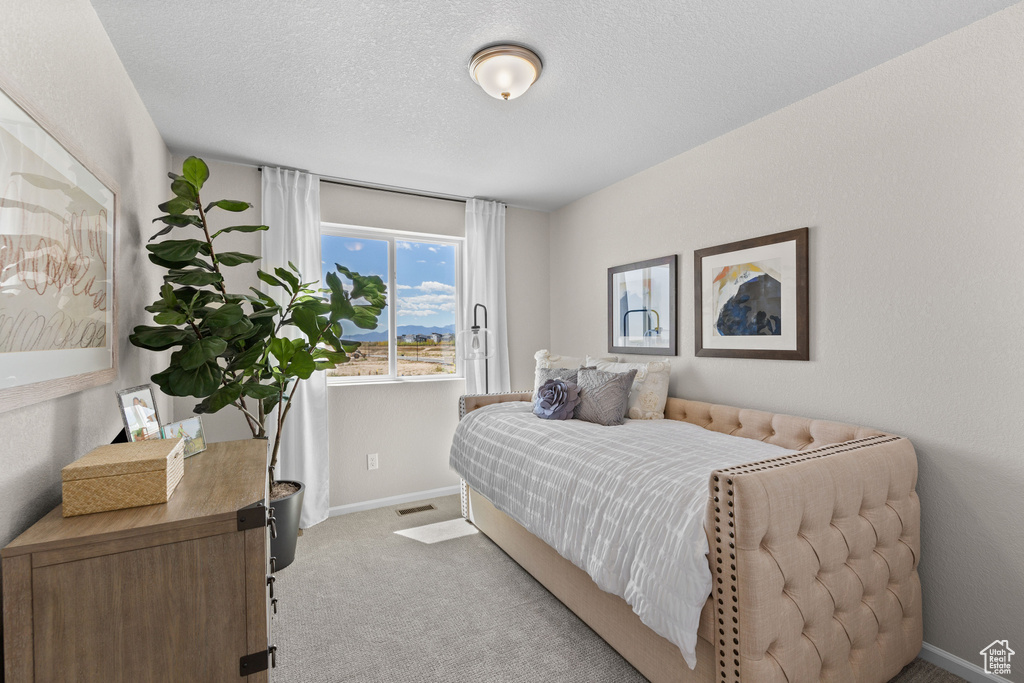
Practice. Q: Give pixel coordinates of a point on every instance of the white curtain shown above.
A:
(485, 284)
(291, 207)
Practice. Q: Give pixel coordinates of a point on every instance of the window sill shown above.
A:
(389, 380)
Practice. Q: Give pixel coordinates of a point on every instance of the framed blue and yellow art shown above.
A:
(750, 298)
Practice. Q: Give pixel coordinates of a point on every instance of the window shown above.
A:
(415, 335)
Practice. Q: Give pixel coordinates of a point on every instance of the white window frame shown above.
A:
(392, 236)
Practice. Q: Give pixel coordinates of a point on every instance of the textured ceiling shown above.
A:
(380, 91)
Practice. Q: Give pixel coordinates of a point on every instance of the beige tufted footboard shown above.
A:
(814, 557)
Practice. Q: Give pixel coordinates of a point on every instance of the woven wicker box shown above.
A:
(123, 475)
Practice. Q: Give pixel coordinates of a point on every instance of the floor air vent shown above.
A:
(409, 511)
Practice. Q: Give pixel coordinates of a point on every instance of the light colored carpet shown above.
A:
(361, 604)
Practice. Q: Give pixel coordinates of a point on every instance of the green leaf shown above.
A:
(198, 278)
(259, 391)
(269, 279)
(235, 258)
(265, 313)
(306, 320)
(177, 265)
(201, 351)
(365, 317)
(199, 382)
(195, 172)
(246, 362)
(301, 364)
(157, 338)
(240, 228)
(179, 220)
(167, 294)
(229, 205)
(183, 188)
(270, 403)
(224, 316)
(162, 232)
(288, 277)
(176, 250)
(225, 396)
(170, 318)
(178, 205)
(341, 308)
(281, 349)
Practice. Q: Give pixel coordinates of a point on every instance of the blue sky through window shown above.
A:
(425, 274)
(426, 284)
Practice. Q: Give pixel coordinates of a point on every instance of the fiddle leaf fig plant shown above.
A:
(248, 350)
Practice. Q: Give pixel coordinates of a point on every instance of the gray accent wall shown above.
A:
(911, 178)
(58, 56)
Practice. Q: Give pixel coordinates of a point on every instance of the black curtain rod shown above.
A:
(392, 189)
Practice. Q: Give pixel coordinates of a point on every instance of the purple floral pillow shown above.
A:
(556, 399)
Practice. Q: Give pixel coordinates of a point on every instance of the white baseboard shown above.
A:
(961, 667)
(392, 500)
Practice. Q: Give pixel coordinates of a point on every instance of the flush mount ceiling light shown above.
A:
(505, 71)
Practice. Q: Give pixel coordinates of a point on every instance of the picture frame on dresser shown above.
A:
(58, 231)
(750, 298)
(642, 307)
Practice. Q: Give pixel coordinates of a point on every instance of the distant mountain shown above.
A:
(382, 335)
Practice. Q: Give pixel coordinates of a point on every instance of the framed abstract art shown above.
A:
(750, 298)
(642, 307)
(57, 236)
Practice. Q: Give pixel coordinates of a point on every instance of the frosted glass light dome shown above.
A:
(505, 71)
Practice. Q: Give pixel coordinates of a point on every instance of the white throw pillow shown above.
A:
(650, 386)
(546, 359)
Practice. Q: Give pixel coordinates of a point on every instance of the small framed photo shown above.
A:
(191, 430)
(138, 410)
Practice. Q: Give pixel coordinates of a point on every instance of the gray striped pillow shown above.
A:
(604, 396)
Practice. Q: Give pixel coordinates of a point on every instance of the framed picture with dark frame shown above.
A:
(642, 307)
(750, 298)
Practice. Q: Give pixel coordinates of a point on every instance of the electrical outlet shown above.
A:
(371, 461)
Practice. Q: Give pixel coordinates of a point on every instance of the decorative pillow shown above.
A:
(604, 396)
(547, 360)
(650, 388)
(557, 399)
(544, 374)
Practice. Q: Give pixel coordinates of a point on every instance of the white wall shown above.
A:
(58, 57)
(228, 181)
(911, 177)
(411, 424)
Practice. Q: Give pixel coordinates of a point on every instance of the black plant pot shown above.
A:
(286, 514)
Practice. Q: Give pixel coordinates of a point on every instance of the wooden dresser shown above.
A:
(174, 592)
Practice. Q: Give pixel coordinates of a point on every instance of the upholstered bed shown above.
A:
(813, 556)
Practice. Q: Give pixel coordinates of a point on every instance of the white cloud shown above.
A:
(426, 304)
(431, 286)
(354, 246)
(421, 260)
(403, 245)
(440, 263)
(406, 287)
(433, 249)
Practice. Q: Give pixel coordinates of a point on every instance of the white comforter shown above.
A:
(624, 504)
